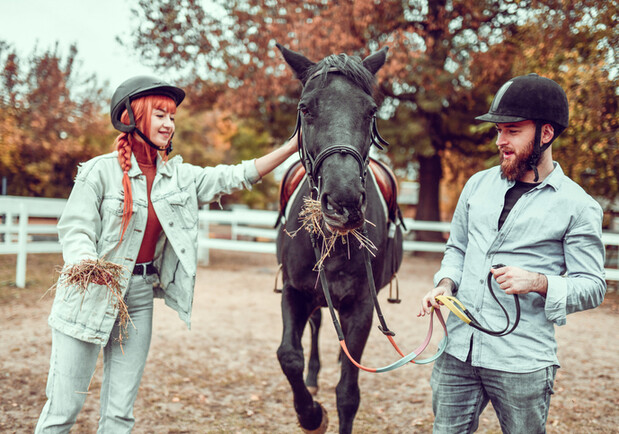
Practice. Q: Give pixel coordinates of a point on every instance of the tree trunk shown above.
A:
(430, 174)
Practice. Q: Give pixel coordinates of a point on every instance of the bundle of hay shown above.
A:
(99, 272)
(311, 220)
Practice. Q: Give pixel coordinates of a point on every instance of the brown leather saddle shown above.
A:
(385, 178)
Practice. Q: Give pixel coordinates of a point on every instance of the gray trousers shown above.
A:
(73, 362)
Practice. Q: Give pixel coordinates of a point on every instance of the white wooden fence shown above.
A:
(24, 229)
(253, 231)
(240, 230)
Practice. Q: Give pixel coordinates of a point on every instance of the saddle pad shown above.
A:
(289, 184)
(388, 186)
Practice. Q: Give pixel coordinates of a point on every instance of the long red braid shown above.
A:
(142, 110)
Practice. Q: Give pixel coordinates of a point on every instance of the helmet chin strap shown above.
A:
(167, 149)
(538, 148)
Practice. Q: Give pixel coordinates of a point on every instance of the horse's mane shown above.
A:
(349, 66)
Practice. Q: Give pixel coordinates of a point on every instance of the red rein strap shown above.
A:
(383, 327)
(410, 358)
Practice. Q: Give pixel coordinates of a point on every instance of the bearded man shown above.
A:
(527, 214)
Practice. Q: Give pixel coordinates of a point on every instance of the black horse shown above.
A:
(337, 122)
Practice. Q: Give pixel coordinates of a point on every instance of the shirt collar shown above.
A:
(162, 167)
(554, 178)
(165, 168)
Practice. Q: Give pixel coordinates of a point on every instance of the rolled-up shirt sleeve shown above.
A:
(583, 286)
(251, 172)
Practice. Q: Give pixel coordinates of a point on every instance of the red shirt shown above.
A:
(153, 227)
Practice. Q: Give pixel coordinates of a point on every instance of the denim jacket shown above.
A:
(89, 228)
(554, 229)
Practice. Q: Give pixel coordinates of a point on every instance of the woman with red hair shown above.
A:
(129, 233)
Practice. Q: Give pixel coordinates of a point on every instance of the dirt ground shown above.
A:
(223, 375)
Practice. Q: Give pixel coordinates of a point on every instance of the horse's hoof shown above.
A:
(324, 423)
(313, 390)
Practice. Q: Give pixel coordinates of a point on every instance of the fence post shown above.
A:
(22, 241)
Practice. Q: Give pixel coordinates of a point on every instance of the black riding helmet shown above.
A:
(531, 97)
(138, 87)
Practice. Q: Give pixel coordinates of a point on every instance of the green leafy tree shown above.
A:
(251, 141)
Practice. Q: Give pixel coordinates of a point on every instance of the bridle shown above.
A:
(312, 164)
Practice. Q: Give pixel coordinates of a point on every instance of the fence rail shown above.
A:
(22, 232)
(20, 235)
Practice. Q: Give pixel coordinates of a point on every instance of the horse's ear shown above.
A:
(299, 63)
(376, 60)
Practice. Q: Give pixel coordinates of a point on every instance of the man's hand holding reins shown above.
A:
(444, 287)
(515, 280)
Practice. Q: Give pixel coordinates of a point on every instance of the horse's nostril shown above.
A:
(327, 204)
(335, 207)
(361, 200)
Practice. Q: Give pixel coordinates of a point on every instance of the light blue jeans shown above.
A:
(73, 362)
(460, 392)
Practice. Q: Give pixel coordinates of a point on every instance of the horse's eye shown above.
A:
(303, 109)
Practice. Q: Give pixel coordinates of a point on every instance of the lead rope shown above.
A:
(405, 358)
(463, 313)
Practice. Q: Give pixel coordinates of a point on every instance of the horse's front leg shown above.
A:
(313, 365)
(356, 321)
(296, 308)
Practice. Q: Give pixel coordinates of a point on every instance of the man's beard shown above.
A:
(518, 166)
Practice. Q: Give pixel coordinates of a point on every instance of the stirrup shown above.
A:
(275, 288)
(397, 298)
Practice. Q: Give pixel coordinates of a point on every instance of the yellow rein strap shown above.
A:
(449, 301)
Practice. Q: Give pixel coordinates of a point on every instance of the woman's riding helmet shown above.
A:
(134, 88)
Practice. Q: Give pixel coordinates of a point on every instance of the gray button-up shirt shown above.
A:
(554, 229)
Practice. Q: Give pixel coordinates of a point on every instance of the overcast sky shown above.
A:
(91, 24)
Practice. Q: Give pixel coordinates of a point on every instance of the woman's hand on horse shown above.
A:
(270, 161)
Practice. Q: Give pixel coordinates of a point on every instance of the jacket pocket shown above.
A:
(84, 310)
(183, 209)
(111, 218)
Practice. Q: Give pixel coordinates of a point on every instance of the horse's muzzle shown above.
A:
(343, 217)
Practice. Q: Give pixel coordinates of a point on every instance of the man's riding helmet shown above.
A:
(531, 97)
(138, 87)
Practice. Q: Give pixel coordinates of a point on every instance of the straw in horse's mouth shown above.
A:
(311, 219)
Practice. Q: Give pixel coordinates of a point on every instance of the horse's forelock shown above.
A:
(349, 66)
